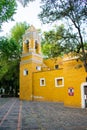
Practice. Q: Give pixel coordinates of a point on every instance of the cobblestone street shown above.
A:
(25, 115)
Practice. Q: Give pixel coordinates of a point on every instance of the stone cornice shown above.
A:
(70, 58)
(31, 53)
(31, 60)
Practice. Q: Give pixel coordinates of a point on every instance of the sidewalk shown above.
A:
(25, 115)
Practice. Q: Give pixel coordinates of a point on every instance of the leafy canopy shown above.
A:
(25, 2)
(53, 10)
(75, 12)
(9, 64)
(51, 42)
(18, 30)
(7, 9)
(9, 49)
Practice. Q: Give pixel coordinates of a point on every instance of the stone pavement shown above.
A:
(25, 115)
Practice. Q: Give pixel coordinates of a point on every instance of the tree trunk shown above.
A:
(83, 50)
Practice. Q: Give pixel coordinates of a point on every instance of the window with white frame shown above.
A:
(38, 68)
(59, 82)
(42, 82)
(25, 72)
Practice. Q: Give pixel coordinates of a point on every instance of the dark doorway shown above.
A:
(85, 94)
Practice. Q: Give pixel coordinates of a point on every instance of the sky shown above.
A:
(28, 14)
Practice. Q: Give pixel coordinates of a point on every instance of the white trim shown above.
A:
(25, 72)
(41, 82)
(38, 68)
(56, 83)
(31, 60)
(31, 53)
(82, 94)
(37, 96)
(32, 50)
(70, 58)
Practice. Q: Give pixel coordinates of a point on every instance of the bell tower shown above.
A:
(31, 41)
(31, 59)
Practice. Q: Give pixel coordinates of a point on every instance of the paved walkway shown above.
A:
(25, 115)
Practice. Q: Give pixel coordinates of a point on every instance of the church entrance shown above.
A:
(84, 95)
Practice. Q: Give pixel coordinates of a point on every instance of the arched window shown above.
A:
(36, 44)
(42, 82)
(27, 43)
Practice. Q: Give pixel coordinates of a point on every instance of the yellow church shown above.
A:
(61, 80)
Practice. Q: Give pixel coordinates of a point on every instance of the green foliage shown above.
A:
(25, 2)
(9, 49)
(52, 10)
(10, 79)
(7, 9)
(9, 64)
(3, 67)
(46, 49)
(85, 45)
(75, 11)
(18, 30)
(58, 41)
(52, 50)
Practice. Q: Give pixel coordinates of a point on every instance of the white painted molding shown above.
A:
(70, 58)
(41, 82)
(31, 53)
(59, 78)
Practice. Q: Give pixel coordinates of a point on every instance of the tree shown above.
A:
(51, 46)
(10, 79)
(25, 2)
(7, 9)
(9, 49)
(75, 11)
(58, 41)
(3, 67)
(9, 64)
(18, 30)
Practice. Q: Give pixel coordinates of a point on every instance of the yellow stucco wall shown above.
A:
(74, 77)
(26, 82)
(52, 62)
(49, 92)
(30, 56)
(73, 73)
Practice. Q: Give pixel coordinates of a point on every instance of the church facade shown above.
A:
(60, 80)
